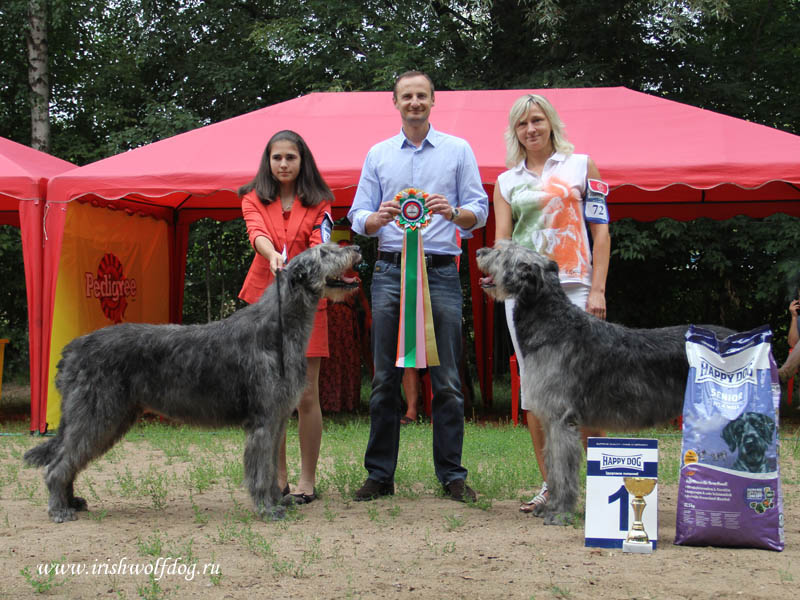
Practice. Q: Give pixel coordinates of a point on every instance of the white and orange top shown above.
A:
(547, 213)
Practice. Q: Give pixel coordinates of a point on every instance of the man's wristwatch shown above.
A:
(454, 214)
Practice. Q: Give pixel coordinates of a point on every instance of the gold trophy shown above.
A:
(637, 540)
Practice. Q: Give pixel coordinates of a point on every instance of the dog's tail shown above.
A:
(43, 454)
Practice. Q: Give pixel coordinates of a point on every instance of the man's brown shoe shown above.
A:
(373, 489)
(459, 491)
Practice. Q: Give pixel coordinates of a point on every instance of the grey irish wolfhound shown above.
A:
(581, 371)
(247, 370)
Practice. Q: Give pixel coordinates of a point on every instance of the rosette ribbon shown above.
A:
(416, 339)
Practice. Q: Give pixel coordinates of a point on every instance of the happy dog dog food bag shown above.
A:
(729, 492)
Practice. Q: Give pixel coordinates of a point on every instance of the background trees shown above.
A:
(124, 73)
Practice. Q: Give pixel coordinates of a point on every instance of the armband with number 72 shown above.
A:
(595, 209)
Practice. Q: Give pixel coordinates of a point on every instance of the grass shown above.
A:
(43, 583)
(499, 457)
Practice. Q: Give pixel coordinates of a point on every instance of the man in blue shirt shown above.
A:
(443, 166)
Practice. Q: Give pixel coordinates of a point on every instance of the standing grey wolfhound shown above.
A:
(247, 370)
(581, 371)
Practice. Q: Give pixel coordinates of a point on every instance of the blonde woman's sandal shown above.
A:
(539, 499)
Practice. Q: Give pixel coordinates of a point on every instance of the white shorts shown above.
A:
(578, 294)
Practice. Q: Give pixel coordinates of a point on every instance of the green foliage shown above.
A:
(15, 112)
(740, 273)
(365, 45)
(13, 304)
(128, 72)
(744, 65)
(217, 261)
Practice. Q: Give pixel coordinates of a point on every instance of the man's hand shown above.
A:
(438, 205)
(385, 214)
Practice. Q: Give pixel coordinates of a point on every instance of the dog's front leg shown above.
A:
(563, 458)
(260, 468)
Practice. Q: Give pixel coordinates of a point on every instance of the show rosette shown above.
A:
(416, 340)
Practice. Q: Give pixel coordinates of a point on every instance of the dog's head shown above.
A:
(512, 270)
(751, 433)
(325, 270)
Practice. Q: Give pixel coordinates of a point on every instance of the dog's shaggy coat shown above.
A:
(581, 371)
(247, 370)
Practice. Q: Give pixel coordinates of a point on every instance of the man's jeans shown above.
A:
(380, 459)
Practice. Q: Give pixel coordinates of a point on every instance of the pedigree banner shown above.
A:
(114, 268)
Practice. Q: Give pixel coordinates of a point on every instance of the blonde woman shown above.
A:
(540, 202)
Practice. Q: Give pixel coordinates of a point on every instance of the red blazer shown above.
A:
(301, 230)
(297, 233)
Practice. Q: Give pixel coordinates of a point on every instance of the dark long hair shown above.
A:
(311, 187)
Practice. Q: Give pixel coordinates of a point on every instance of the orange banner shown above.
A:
(114, 268)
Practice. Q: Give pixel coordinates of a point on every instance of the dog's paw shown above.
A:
(273, 512)
(560, 519)
(78, 504)
(62, 515)
(539, 510)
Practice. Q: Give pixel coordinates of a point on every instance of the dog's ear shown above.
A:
(523, 278)
(732, 433)
(765, 425)
(303, 271)
(535, 274)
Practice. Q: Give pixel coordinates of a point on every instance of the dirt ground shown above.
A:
(398, 547)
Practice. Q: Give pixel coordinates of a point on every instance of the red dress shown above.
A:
(296, 230)
(340, 375)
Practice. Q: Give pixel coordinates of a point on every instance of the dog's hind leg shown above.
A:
(563, 459)
(260, 466)
(60, 478)
(80, 444)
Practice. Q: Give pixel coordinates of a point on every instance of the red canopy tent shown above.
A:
(661, 158)
(23, 184)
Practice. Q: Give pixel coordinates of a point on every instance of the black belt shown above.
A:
(431, 260)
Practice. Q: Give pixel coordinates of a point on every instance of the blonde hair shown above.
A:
(515, 151)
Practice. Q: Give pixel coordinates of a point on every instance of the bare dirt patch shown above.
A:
(406, 546)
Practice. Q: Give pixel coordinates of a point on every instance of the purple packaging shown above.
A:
(729, 493)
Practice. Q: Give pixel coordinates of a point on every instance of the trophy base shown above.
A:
(637, 547)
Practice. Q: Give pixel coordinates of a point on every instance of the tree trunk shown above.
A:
(38, 75)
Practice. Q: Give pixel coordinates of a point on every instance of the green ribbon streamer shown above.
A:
(412, 258)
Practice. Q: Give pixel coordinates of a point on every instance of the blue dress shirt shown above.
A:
(443, 164)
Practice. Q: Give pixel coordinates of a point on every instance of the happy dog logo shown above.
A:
(111, 287)
(612, 461)
(712, 373)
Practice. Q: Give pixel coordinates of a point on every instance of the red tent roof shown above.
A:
(662, 158)
(21, 170)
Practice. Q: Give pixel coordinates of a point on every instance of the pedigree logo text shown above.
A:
(111, 287)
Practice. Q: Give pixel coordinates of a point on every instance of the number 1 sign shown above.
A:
(608, 504)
